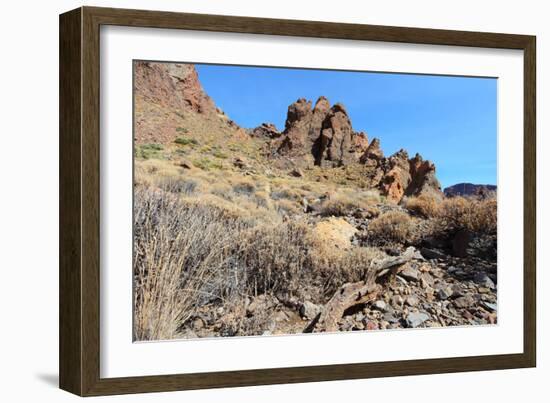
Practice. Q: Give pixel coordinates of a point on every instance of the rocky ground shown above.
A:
(434, 289)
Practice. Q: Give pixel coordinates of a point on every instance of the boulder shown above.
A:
(484, 280)
(461, 242)
(266, 130)
(309, 310)
(333, 234)
(415, 319)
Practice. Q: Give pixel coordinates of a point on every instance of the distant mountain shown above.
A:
(468, 189)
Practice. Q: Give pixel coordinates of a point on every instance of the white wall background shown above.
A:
(29, 197)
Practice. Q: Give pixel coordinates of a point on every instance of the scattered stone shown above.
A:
(415, 319)
(297, 173)
(198, 324)
(309, 310)
(371, 325)
(432, 254)
(390, 318)
(484, 280)
(409, 273)
(412, 300)
(489, 305)
(186, 164)
(444, 293)
(426, 280)
(397, 301)
(464, 302)
(380, 305)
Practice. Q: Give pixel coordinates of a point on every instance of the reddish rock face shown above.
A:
(373, 154)
(397, 176)
(298, 120)
(423, 178)
(408, 177)
(266, 130)
(336, 138)
(174, 85)
(322, 135)
(173, 91)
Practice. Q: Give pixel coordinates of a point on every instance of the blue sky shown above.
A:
(449, 120)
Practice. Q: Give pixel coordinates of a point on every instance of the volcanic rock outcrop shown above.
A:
(324, 136)
(174, 85)
(168, 96)
(408, 177)
(266, 131)
(321, 135)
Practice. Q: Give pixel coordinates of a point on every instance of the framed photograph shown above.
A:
(249, 201)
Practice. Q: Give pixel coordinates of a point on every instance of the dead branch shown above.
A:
(351, 294)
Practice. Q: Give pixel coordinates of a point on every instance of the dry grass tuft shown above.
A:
(479, 216)
(342, 203)
(424, 205)
(182, 259)
(391, 226)
(347, 266)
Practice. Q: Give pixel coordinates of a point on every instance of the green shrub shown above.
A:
(185, 141)
(147, 151)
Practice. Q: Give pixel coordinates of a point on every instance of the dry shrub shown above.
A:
(287, 207)
(182, 260)
(262, 199)
(179, 185)
(393, 226)
(484, 217)
(189, 252)
(424, 205)
(222, 190)
(457, 213)
(341, 204)
(244, 186)
(335, 269)
(274, 257)
(287, 193)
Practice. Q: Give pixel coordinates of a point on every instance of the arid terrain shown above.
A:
(306, 228)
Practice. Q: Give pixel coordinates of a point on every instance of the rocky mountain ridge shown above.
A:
(324, 136)
(469, 189)
(318, 135)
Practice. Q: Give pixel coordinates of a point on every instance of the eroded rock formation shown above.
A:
(321, 135)
(324, 136)
(175, 85)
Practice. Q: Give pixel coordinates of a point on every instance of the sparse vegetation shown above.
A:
(184, 141)
(341, 204)
(425, 205)
(457, 213)
(147, 151)
(393, 226)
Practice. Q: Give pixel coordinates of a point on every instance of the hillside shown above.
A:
(249, 231)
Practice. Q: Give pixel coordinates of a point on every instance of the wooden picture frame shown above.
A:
(79, 348)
